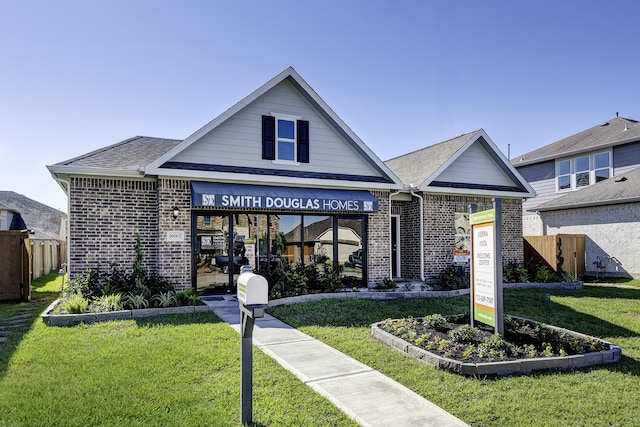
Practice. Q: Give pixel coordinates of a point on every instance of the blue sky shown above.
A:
(76, 76)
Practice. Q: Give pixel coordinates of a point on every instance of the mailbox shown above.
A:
(253, 289)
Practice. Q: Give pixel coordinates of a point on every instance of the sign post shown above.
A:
(486, 267)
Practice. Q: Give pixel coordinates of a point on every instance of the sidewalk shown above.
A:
(367, 396)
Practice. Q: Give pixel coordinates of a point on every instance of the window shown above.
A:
(582, 171)
(564, 175)
(602, 166)
(572, 174)
(285, 138)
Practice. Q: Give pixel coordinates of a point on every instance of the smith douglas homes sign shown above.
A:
(256, 197)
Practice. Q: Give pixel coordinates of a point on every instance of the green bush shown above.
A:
(451, 278)
(166, 299)
(545, 274)
(515, 272)
(188, 297)
(136, 301)
(111, 302)
(435, 321)
(75, 304)
(464, 334)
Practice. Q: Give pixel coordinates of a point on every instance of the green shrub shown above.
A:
(166, 299)
(451, 278)
(75, 304)
(112, 302)
(464, 334)
(389, 283)
(188, 297)
(545, 274)
(136, 301)
(435, 321)
(514, 272)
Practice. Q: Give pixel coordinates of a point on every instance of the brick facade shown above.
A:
(105, 213)
(439, 232)
(174, 258)
(378, 239)
(103, 217)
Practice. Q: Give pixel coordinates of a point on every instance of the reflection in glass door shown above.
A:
(350, 246)
(219, 251)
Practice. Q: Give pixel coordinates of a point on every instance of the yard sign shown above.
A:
(486, 267)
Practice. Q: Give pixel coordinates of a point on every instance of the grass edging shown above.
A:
(51, 319)
(502, 368)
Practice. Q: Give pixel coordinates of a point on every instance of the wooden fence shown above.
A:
(547, 249)
(15, 277)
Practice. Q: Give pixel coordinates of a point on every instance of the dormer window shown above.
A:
(285, 139)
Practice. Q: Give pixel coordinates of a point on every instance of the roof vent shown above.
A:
(621, 179)
(604, 124)
(626, 126)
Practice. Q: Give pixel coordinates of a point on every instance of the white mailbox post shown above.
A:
(253, 297)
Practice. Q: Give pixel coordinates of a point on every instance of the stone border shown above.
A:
(510, 367)
(51, 319)
(400, 294)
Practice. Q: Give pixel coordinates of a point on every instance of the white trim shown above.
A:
(396, 217)
(473, 138)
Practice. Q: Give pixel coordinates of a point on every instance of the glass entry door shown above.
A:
(218, 252)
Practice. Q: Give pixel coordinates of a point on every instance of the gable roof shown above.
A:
(618, 189)
(616, 131)
(426, 169)
(46, 221)
(389, 179)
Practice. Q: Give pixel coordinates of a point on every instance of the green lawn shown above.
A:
(603, 396)
(184, 370)
(181, 370)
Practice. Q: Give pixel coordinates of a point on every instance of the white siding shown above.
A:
(240, 137)
(475, 166)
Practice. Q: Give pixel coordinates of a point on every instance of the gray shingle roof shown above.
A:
(616, 131)
(45, 220)
(619, 189)
(132, 153)
(417, 166)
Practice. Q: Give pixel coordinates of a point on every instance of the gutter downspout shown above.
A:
(411, 188)
(68, 225)
(395, 193)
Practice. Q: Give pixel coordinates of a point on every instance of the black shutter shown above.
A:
(268, 137)
(303, 141)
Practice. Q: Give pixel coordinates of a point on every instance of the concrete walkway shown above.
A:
(364, 394)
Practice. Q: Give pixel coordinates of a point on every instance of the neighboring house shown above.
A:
(47, 228)
(278, 161)
(589, 183)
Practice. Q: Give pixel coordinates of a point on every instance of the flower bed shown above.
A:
(451, 343)
(51, 319)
